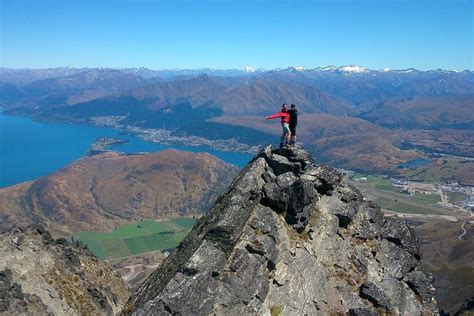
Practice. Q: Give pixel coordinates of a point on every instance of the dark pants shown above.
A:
(293, 130)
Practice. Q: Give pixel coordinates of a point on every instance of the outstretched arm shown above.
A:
(274, 116)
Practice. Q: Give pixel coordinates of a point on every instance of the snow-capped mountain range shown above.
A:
(26, 76)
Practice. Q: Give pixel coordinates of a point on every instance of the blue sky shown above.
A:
(232, 34)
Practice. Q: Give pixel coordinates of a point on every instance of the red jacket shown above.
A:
(285, 116)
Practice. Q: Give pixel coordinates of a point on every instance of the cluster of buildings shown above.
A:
(108, 121)
(468, 203)
(411, 187)
(165, 137)
(456, 187)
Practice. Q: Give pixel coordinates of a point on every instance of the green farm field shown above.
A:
(380, 182)
(455, 197)
(136, 238)
(380, 189)
(405, 206)
(426, 198)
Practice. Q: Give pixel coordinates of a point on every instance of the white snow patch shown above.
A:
(406, 70)
(353, 69)
(249, 69)
(327, 68)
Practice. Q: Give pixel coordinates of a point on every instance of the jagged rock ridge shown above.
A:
(290, 237)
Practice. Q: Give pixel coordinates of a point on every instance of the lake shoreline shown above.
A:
(37, 148)
(155, 135)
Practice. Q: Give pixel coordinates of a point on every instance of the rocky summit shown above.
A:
(290, 237)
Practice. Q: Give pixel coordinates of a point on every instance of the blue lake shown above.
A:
(30, 149)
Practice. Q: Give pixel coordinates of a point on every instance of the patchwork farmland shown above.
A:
(136, 238)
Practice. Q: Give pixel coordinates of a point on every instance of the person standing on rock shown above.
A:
(285, 124)
(293, 122)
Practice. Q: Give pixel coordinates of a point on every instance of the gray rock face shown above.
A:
(43, 276)
(292, 238)
(13, 300)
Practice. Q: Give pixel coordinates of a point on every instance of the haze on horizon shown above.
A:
(184, 34)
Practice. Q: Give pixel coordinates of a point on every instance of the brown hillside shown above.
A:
(255, 96)
(450, 259)
(99, 192)
(454, 141)
(262, 96)
(343, 141)
(439, 111)
(196, 91)
(445, 170)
